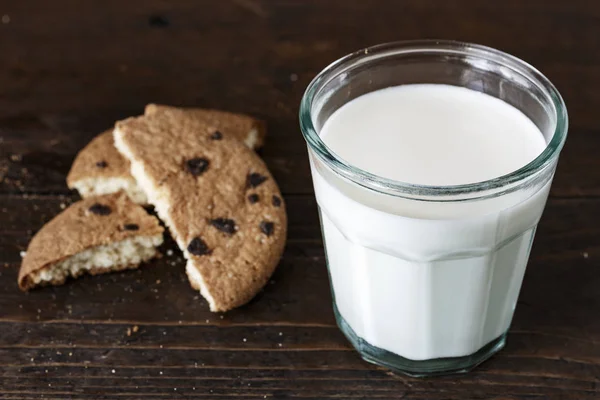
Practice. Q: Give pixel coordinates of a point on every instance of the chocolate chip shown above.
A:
(197, 166)
(102, 164)
(253, 198)
(100, 209)
(224, 225)
(131, 227)
(267, 228)
(255, 179)
(198, 247)
(276, 201)
(216, 135)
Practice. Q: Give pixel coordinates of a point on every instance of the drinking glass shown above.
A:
(425, 279)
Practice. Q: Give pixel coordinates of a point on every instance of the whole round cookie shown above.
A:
(96, 235)
(217, 197)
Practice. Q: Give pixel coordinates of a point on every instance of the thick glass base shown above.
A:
(422, 368)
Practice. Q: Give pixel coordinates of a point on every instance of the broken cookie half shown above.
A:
(215, 195)
(100, 169)
(96, 235)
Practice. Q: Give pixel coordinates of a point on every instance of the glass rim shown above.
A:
(386, 185)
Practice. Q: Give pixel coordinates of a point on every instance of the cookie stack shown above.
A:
(197, 169)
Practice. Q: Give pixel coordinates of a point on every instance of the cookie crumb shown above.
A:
(62, 206)
(22, 254)
(169, 253)
(135, 328)
(585, 254)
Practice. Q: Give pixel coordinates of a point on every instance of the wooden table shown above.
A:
(68, 70)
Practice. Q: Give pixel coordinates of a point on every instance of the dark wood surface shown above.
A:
(68, 69)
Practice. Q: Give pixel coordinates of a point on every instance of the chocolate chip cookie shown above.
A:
(100, 169)
(217, 197)
(95, 235)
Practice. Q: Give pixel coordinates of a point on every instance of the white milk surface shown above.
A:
(433, 135)
(421, 279)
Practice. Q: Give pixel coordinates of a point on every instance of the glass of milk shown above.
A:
(431, 163)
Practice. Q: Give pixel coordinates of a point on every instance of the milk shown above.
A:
(431, 134)
(428, 279)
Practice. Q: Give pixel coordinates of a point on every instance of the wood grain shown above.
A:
(69, 69)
